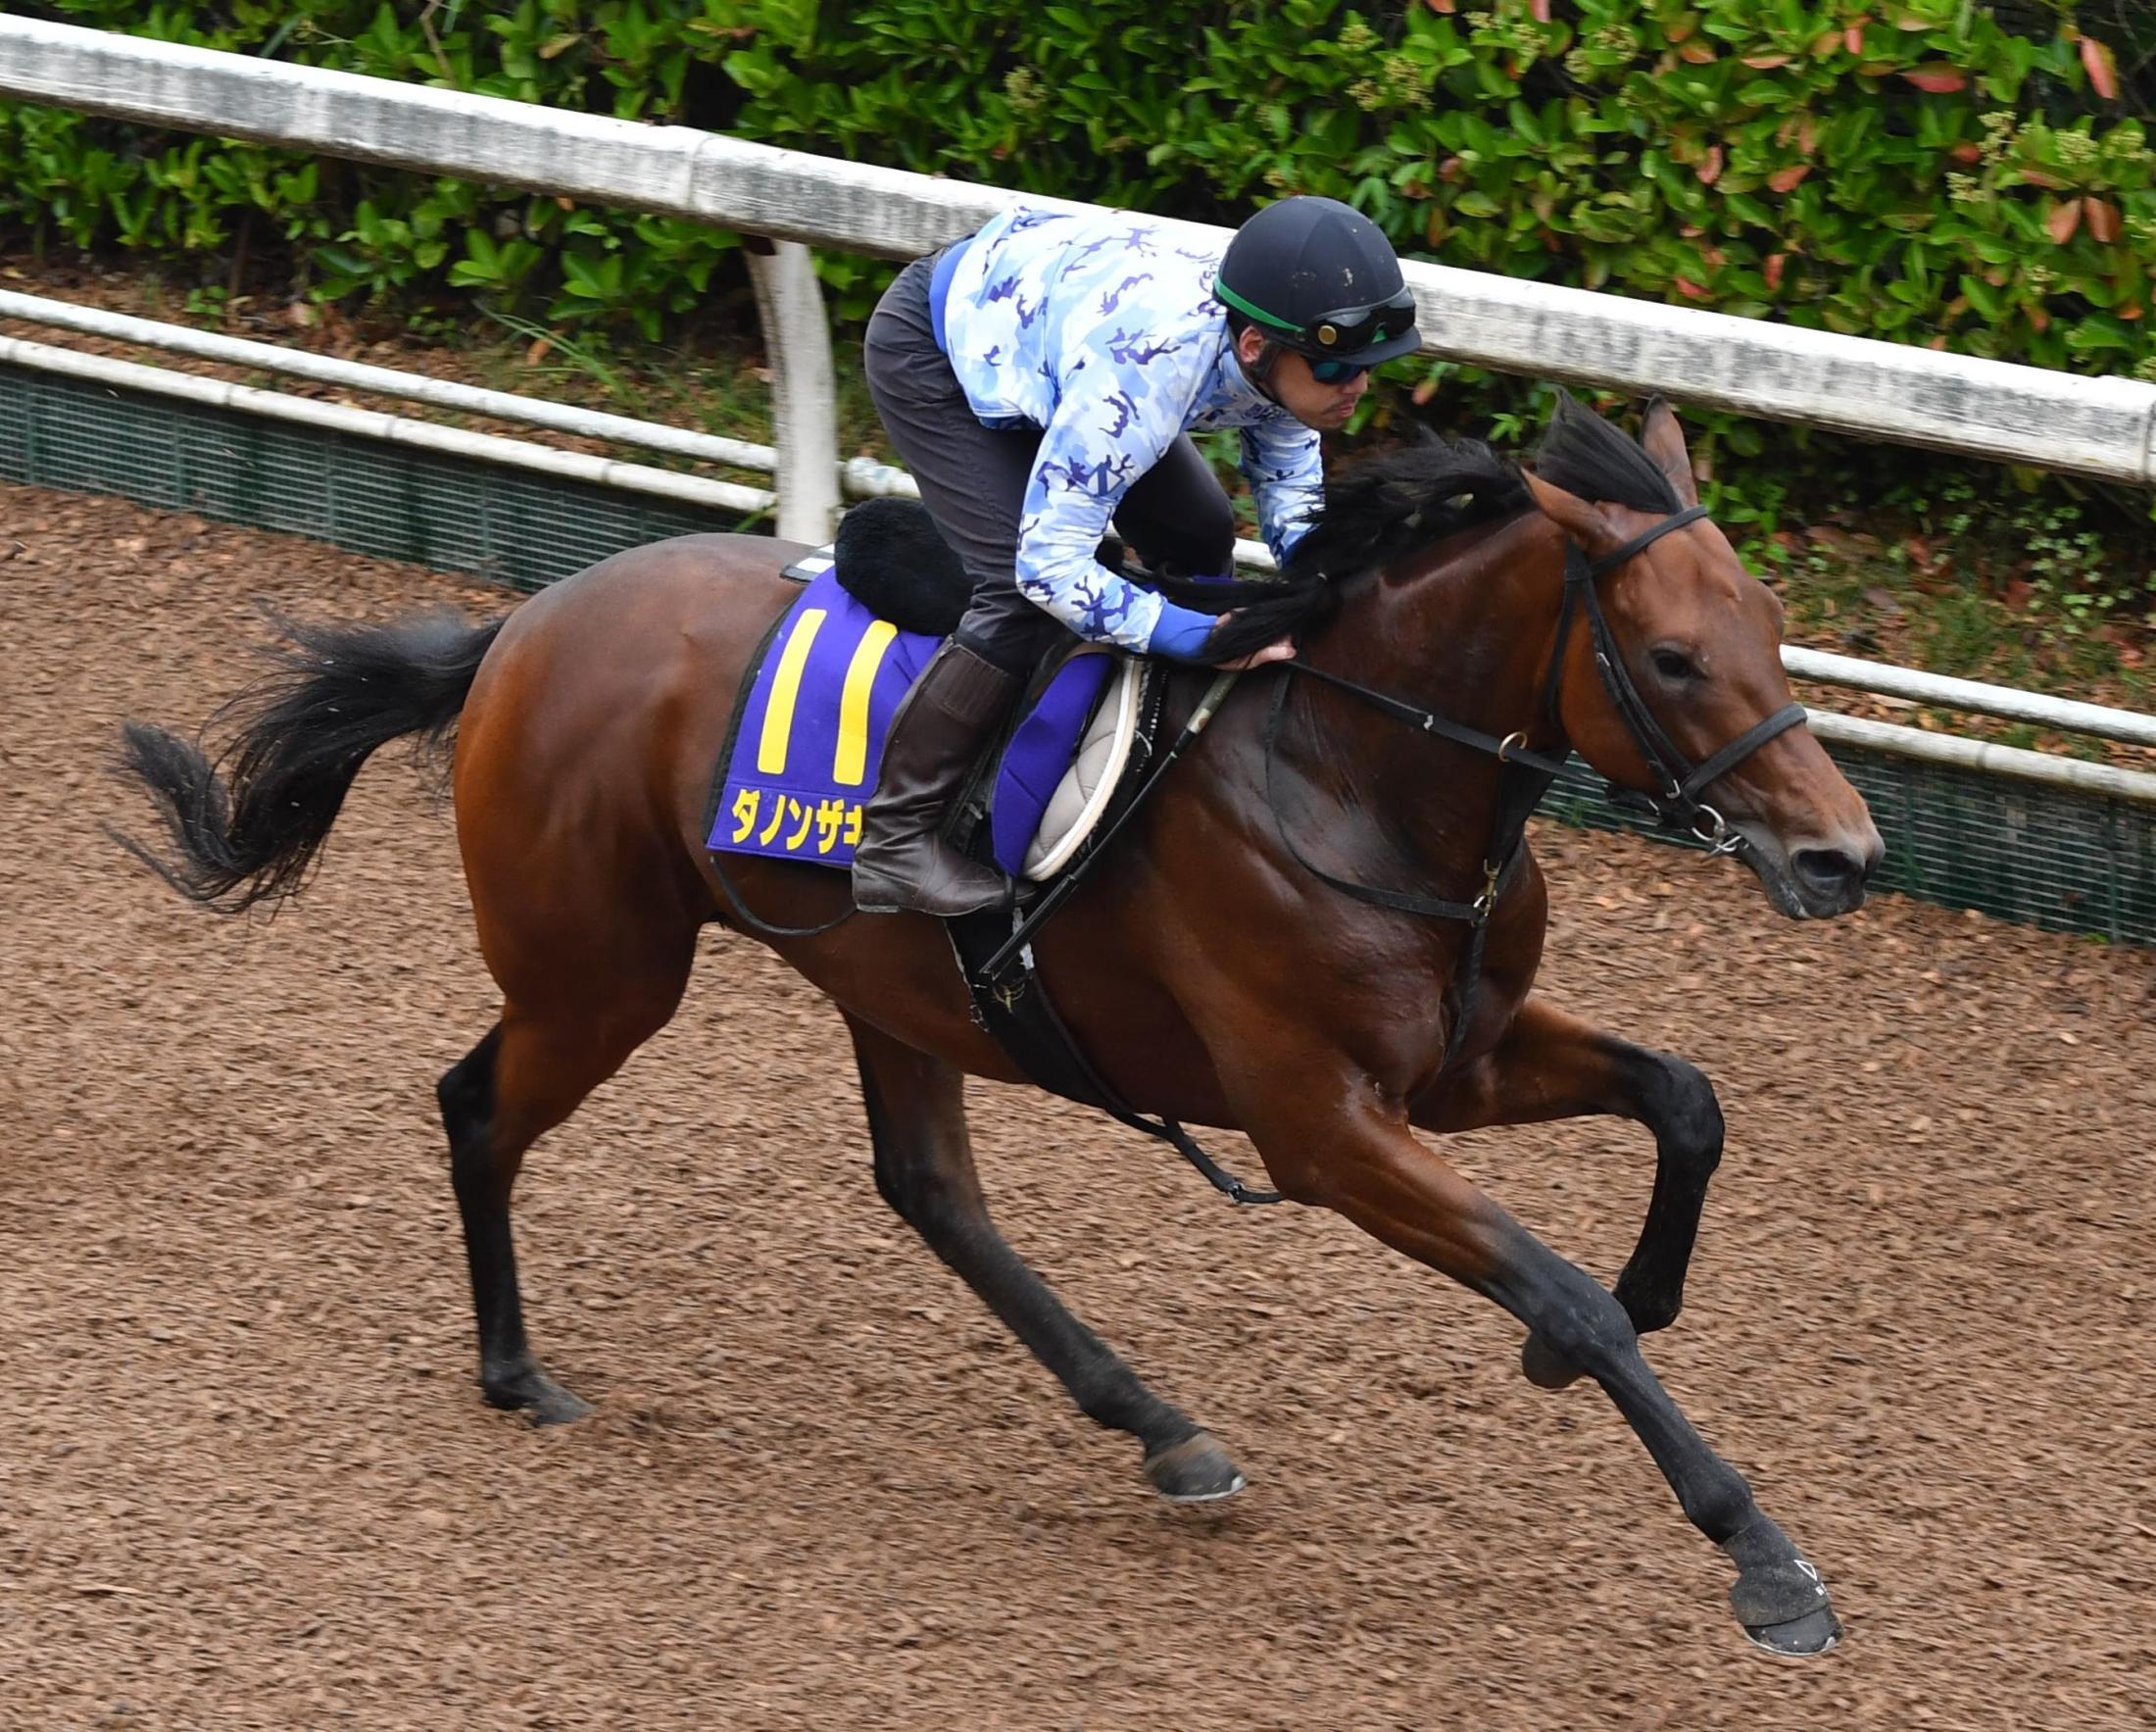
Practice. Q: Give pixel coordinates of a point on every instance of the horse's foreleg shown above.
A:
(1333, 1140)
(924, 1169)
(1554, 1065)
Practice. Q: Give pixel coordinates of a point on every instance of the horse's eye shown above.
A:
(1673, 666)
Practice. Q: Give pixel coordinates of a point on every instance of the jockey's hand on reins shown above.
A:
(1281, 650)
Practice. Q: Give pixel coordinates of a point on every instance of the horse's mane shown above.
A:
(1384, 508)
(1590, 459)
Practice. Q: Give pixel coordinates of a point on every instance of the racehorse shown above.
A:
(1456, 617)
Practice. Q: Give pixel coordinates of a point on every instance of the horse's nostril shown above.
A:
(1828, 871)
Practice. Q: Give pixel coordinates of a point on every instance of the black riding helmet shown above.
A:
(1319, 278)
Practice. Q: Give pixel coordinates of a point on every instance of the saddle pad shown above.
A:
(803, 757)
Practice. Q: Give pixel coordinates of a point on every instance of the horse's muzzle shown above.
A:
(1818, 878)
(1832, 879)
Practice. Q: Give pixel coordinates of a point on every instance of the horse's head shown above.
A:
(1697, 638)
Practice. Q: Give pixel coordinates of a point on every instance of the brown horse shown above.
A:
(588, 723)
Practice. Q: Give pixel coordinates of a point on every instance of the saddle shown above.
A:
(802, 754)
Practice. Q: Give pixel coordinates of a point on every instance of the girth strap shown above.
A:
(1010, 998)
(1012, 1004)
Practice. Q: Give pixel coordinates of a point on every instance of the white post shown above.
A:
(796, 347)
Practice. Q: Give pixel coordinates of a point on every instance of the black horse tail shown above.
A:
(250, 834)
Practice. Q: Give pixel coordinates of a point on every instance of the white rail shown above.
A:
(384, 381)
(863, 478)
(398, 430)
(2135, 785)
(1913, 395)
(1907, 742)
(1974, 695)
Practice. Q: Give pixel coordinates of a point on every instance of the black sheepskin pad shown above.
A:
(892, 559)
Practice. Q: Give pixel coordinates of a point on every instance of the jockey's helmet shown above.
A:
(1319, 278)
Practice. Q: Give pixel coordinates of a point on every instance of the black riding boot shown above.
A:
(902, 861)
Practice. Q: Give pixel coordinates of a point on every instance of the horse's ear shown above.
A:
(1582, 519)
(1661, 439)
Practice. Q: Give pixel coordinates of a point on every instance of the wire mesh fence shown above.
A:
(504, 524)
(2020, 851)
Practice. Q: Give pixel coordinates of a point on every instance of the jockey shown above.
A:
(1042, 378)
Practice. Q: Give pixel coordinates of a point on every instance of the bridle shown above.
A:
(1679, 782)
(1527, 774)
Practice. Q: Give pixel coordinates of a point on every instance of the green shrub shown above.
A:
(1908, 175)
(1942, 171)
(1923, 173)
(353, 231)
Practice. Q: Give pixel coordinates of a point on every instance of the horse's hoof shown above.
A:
(558, 1406)
(1813, 1633)
(1196, 1470)
(538, 1396)
(1778, 1596)
(1546, 1366)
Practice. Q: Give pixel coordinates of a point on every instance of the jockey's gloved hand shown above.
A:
(1181, 634)
(1184, 635)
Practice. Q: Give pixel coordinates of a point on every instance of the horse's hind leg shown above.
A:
(567, 1030)
(924, 1169)
(482, 1173)
(1552, 1066)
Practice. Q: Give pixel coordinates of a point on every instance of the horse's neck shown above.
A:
(1384, 803)
(1466, 630)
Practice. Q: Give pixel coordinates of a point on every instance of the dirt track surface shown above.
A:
(249, 1482)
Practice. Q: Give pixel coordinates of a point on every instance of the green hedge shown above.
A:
(360, 232)
(1957, 172)
(1907, 170)
(1924, 175)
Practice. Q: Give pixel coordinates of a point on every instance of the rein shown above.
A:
(1525, 777)
(1527, 774)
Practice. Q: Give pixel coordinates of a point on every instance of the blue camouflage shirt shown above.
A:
(1103, 330)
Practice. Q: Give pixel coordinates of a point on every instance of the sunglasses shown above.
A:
(1335, 371)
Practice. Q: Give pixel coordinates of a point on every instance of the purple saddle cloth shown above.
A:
(809, 736)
